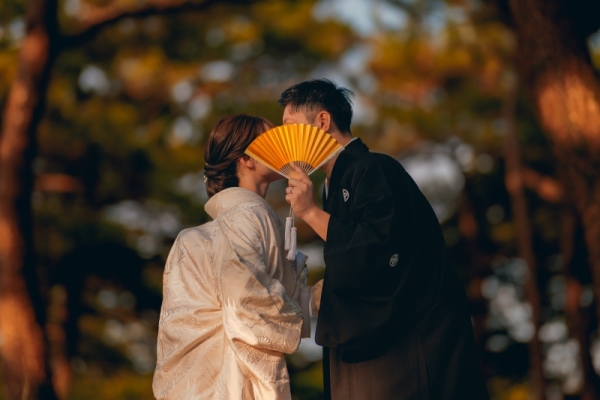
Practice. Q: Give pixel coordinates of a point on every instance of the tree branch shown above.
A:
(549, 189)
(93, 19)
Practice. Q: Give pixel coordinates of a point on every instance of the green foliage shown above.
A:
(124, 385)
(128, 113)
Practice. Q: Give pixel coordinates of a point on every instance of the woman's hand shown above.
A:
(315, 298)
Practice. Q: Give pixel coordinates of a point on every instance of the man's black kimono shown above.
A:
(394, 318)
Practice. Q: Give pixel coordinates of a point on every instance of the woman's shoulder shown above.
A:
(251, 207)
(252, 219)
(196, 234)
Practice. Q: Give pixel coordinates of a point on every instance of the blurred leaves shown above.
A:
(128, 112)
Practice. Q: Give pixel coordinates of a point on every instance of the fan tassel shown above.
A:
(288, 232)
(293, 243)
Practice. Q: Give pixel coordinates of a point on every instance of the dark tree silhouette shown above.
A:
(520, 210)
(556, 70)
(25, 364)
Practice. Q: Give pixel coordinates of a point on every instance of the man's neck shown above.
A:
(344, 140)
(328, 167)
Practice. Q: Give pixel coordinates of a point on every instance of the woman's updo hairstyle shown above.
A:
(226, 144)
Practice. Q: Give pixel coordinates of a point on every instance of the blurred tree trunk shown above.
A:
(577, 318)
(24, 351)
(555, 64)
(26, 374)
(520, 212)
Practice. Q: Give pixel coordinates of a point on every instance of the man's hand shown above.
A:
(300, 193)
(301, 196)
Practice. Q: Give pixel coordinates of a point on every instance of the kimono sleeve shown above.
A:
(354, 245)
(189, 315)
(361, 280)
(258, 314)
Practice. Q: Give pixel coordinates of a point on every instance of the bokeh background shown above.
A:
(492, 106)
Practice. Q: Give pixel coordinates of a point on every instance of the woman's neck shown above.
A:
(260, 188)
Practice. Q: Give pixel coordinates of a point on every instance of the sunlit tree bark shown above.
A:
(25, 362)
(25, 370)
(555, 64)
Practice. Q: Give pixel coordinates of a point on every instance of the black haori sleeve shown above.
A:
(362, 264)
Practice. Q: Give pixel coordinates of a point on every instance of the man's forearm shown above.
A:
(319, 221)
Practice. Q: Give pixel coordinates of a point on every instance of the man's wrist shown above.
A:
(312, 214)
(318, 220)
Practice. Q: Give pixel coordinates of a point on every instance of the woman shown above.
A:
(228, 315)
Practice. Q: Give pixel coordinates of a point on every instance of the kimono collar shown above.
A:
(356, 146)
(346, 158)
(229, 198)
(352, 150)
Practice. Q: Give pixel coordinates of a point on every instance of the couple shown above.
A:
(393, 318)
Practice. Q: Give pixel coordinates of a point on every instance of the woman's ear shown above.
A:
(323, 121)
(247, 162)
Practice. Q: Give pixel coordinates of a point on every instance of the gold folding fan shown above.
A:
(307, 146)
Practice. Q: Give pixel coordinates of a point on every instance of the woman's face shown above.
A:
(265, 174)
(268, 174)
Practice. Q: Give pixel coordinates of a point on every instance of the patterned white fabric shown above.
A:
(228, 313)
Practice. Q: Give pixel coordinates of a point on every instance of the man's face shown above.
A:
(297, 117)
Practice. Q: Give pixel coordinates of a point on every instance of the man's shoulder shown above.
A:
(369, 160)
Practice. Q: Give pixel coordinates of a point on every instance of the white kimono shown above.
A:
(228, 316)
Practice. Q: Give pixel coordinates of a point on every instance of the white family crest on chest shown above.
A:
(394, 260)
(346, 195)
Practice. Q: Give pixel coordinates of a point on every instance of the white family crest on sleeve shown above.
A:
(394, 260)
(346, 195)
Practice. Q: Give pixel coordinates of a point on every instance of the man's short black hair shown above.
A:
(318, 95)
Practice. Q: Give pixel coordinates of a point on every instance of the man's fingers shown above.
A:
(301, 174)
(299, 183)
(294, 182)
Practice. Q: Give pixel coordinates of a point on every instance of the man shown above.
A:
(393, 318)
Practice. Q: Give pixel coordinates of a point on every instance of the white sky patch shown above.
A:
(192, 184)
(94, 79)
(554, 331)
(332, 72)
(364, 16)
(200, 107)
(182, 91)
(438, 176)
(356, 13)
(217, 71)
(183, 131)
(390, 17)
(151, 217)
(72, 8)
(455, 14)
(465, 155)
(17, 29)
(364, 112)
(436, 20)
(355, 59)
